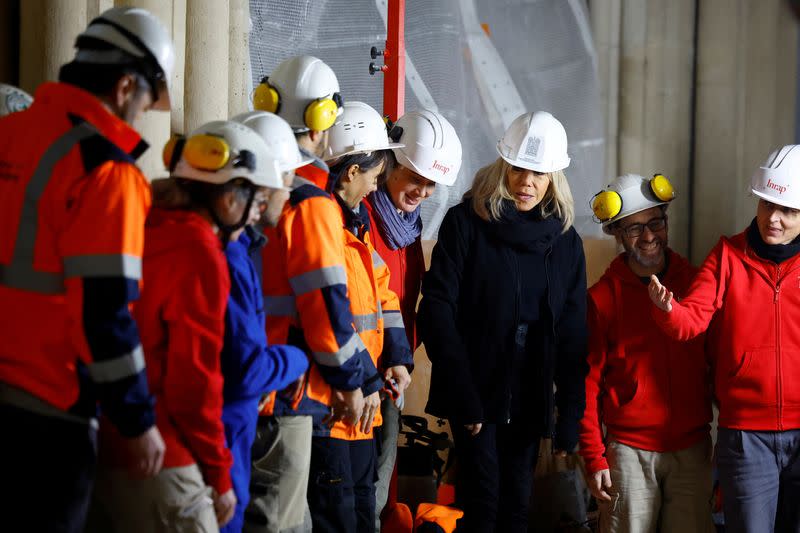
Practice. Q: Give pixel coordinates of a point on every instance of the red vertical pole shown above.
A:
(394, 81)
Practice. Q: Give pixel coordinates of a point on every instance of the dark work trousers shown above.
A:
(341, 485)
(759, 475)
(47, 467)
(495, 474)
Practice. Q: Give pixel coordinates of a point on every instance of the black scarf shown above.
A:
(355, 220)
(777, 253)
(525, 230)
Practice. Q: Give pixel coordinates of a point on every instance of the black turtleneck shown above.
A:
(777, 253)
(529, 237)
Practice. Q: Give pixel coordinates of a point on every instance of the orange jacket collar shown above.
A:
(77, 101)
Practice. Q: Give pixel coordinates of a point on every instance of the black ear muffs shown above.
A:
(245, 159)
(172, 151)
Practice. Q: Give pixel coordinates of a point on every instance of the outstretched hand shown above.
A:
(659, 294)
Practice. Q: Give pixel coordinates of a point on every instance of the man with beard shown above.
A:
(651, 471)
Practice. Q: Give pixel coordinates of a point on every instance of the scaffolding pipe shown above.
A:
(394, 81)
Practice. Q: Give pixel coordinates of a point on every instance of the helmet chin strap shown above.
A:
(226, 230)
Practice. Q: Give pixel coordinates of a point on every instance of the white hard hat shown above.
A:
(629, 194)
(278, 136)
(138, 33)
(304, 91)
(535, 141)
(222, 150)
(778, 179)
(432, 148)
(360, 129)
(13, 99)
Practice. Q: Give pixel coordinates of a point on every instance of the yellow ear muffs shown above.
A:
(172, 151)
(321, 114)
(606, 205)
(662, 188)
(206, 152)
(266, 97)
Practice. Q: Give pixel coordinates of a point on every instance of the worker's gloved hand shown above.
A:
(147, 453)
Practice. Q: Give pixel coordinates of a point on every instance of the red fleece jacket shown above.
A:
(407, 266)
(181, 317)
(750, 307)
(650, 391)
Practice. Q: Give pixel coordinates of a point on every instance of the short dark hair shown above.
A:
(100, 79)
(365, 161)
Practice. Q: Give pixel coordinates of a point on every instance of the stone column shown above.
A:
(95, 7)
(655, 89)
(155, 125)
(48, 29)
(746, 83)
(606, 16)
(206, 72)
(239, 81)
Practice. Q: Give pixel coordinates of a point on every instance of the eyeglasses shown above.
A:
(654, 225)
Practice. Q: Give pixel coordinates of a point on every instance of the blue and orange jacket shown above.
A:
(181, 316)
(250, 368)
(375, 307)
(306, 299)
(71, 241)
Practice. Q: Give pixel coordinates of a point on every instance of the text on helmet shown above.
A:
(772, 185)
(444, 169)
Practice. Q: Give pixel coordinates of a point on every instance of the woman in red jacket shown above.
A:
(214, 177)
(747, 295)
(431, 156)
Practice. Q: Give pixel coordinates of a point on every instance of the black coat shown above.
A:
(468, 320)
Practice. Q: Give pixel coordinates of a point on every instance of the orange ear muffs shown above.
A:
(266, 97)
(206, 152)
(606, 205)
(662, 188)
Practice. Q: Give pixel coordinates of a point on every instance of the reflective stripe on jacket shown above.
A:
(71, 240)
(305, 295)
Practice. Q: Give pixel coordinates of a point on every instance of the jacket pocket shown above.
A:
(790, 370)
(752, 380)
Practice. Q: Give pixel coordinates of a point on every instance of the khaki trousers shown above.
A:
(279, 476)
(653, 492)
(176, 500)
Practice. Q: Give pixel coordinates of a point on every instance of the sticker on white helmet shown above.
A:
(532, 146)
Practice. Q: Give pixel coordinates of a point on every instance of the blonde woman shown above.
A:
(503, 318)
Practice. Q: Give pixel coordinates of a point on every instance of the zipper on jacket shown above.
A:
(778, 349)
(517, 274)
(555, 338)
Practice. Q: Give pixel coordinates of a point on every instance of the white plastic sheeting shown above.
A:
(538, 55)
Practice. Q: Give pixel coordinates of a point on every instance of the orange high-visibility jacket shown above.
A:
(305, 295)
(71, 240)
(375, 307)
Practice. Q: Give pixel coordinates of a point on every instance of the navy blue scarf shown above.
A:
(398, 229)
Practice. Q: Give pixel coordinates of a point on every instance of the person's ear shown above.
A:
(352, 172)
(124, 89)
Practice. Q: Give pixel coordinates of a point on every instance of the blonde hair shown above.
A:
(489, 189)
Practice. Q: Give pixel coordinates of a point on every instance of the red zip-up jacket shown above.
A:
(750, 307)
(181, 317)
(651, 392)
(407, 266)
